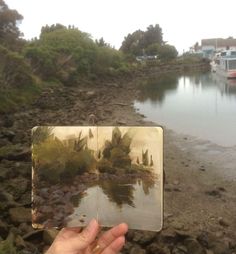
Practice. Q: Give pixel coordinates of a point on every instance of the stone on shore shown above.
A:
(49, 236)
(20, 214)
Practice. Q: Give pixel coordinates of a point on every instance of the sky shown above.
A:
(183, 22)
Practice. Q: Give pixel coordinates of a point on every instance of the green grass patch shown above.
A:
(13, 98)
(9, 149)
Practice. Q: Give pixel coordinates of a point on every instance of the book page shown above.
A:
(110, 173)
(130, 177)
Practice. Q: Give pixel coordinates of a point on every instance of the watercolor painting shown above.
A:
(114, 174)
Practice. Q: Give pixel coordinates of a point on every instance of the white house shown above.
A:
(210, 46)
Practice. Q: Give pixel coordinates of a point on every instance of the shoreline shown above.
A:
(198, 202)
(210, 198)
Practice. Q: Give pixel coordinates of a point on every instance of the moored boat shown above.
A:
(224, 64)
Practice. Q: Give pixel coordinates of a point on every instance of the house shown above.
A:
(210, 46)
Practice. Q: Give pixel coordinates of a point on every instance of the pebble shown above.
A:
(223, 222)
(49, 235)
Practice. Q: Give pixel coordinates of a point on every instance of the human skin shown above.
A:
(75, 241)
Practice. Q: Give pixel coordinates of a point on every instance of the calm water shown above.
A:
(139, 204)
(200, 105)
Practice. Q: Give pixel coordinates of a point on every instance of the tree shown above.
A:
(167, 52)
(101, 43)
(9, 32)
(153, 49)
(152, 35)
(138, 42)
(131, 43)
(54, 27)
(196, 47)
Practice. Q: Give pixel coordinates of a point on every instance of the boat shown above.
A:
(224, 64)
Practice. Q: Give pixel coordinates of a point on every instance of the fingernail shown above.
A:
(92, 224)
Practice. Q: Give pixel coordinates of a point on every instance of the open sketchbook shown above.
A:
(114, 174)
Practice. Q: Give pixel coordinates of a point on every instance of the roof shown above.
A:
(220, 42)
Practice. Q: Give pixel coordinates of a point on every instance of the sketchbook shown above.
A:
(111, 173)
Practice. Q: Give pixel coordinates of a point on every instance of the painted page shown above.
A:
(111, 173)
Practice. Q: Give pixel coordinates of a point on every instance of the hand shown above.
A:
(73, 241)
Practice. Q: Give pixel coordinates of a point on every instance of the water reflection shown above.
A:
(119, 192)
(113, 209)
(154, 88)
(226, 86)
(200, 104)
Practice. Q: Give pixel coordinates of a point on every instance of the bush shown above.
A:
(14, 71)
(68, 54)
(105, 166)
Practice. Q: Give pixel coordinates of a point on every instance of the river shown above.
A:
(201, 105)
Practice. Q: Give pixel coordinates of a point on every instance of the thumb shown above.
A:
(86, 237)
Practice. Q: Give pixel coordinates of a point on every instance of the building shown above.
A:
(210, 46)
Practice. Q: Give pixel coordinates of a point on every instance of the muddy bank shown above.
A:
(199, 203)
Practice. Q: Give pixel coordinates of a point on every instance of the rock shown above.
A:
(128, 246)
(8, 134)
(16, 153)
(19, 242)
(144, 238)
(202, 168)
(180, 249)
(214, 193)
(223, 222)
(194, 246)
(25, 228)
(4, 173)
(221, 189)
(46, 209)
(90, 94)
(7, 200)
(168, 215)
(4, 142)
(33, 235)
(177, 189)
(49, 236)
(168, 235)
(177, 225)
(219, 234)
(181, 234)
(137, 250)
(119, 122)
(130, 235)
(155, 248)
(3, 229)
(220, 248)
(18, 186)
(24, 155)
(7, 246)
(20, 214)
(25, 199)
(176, 182)
(206, 239)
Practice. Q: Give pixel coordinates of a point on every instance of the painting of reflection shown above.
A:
(110, 173)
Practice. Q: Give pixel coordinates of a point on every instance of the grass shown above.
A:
(13, 98)
(8, 149)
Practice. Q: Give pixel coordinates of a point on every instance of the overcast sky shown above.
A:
(183, 21)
